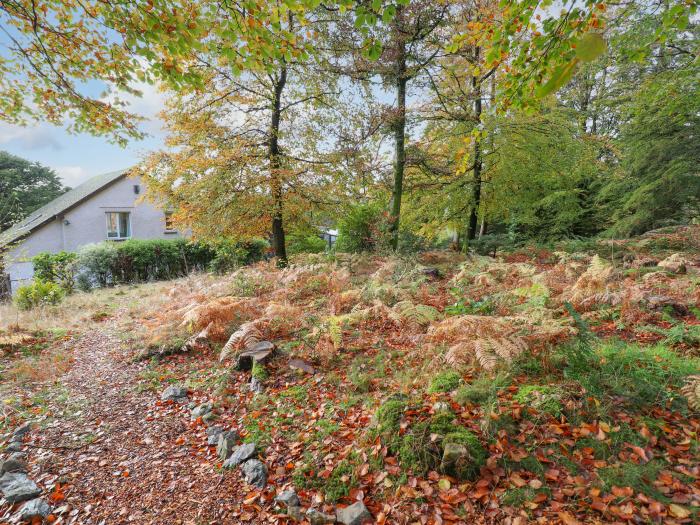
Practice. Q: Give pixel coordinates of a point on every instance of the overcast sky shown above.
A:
(79, 157)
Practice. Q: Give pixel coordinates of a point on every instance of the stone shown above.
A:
(12, 465)
(659, 302)
(431, 272)
(255, 473)
(21, 431)
(213, 434)
(441, 406)
(16, 486)
(201, 410)
(256, 386)
(240, 454)
(288, 498)
(14, 446)
(35, 508)
(295, 513)
(355, 514)
(675, 263)
(175, 393)
(316, 517)
(224, 447)
(454, 453)
(209, 417)
(259, 352)
(298, 364)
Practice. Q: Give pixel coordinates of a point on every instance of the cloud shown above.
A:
(72, 175)
(32, 138)
(148, 105)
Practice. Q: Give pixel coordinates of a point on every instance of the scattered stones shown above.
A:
(35, 508)
(227, 440)
(441, 406)
(355, 514)
(175, 393)
(213, 434)
(16, 486)
(288, 498)
(298, 364)
(259, 352)
(675, 263)
(453, 454)
(13, 465)
(202, 410)
(255, 473)
(316, 517)
(240, 454)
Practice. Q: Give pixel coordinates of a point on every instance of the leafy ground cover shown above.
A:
(567, 382)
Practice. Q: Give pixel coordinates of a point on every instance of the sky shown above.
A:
(76, 158)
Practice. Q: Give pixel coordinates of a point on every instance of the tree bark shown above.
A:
(399, 140)
(478, 161)
(276, 191)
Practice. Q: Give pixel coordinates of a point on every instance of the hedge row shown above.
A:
(109, 263)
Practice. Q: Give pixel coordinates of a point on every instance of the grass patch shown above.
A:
(481, 389)
(445, 382)
(640, 477)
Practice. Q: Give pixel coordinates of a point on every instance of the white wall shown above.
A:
(86, 223)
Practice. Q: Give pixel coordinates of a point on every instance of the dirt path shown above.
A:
(123, 458)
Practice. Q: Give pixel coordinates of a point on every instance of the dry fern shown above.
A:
(405, 312)
(247, 335)
(691, 391)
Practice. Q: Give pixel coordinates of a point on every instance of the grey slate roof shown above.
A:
(59, 205)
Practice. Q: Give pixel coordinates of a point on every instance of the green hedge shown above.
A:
(109, 262)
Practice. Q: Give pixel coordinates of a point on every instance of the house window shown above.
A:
(118, 225)
(169, 223)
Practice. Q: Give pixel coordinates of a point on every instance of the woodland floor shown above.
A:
(581, 418)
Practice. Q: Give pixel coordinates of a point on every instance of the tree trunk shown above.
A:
(278, 242)
(476, 192)
(399, 140)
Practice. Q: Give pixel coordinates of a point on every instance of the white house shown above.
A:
(106, 207)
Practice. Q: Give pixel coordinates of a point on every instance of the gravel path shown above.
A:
(123, 457)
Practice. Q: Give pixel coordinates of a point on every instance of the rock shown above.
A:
(255, 473)
(209, 417)
(175, 393)
(202, 410)
(453, 454)
(256, 386)
(224, 447)
(295, 513)
(35, 508)
(441, 406)
(14, 446)
(316, 517)
(240, 454)
(675, 263)
(298, 364)
(213, 434)
(21, 431)
(12, 465)
(16, 486)
(259, 352)
(288, 498)
(355, 514)
(659, 302)
(431, 272)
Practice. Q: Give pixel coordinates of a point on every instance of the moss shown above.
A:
(445, 382)
(481, 389)
(336, 486)
(389, 416)
(477, 453)
(541, 397)
(298, 393)
(258, 371)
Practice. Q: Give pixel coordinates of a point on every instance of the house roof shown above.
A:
(60, 205)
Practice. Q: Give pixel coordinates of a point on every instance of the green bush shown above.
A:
(359, 230)
(97, 261)
(38, 293)
(305, 243)
(58, 268)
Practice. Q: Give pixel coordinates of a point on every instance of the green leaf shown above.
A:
(590, 47)
(560, 77)
(389, 14)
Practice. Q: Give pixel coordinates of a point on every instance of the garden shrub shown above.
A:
(359, 229)
(305, 243)
(58, 268)
(38, 293)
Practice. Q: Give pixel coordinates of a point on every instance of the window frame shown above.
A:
(128, 225)
(167, 217)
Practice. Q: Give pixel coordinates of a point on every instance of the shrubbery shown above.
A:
(38, 293)
(359, 230)
(135, 260)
